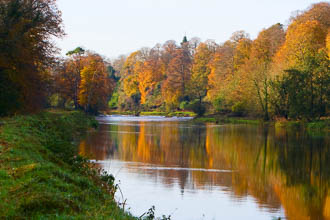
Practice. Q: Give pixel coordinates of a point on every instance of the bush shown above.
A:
(238, 108)
(197, 107)
(184, 105)
(113, 103)
(218, 104)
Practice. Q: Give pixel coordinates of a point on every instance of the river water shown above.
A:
(206, 171)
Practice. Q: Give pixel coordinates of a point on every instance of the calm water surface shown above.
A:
(205, 171)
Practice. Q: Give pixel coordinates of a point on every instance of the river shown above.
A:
(207, 171)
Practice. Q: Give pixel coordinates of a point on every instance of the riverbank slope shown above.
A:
(319, 125)
(41, 175)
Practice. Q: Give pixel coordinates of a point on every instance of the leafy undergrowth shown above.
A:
(42, 178)
(314, 126)
(182, 114)
(205, 120)
(319, 125)
(227, 120)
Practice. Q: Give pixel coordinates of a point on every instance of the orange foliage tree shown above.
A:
(177, 77)
(68, 79)
(129, 83)
(149, 76)
(96, 86)
(225, 76)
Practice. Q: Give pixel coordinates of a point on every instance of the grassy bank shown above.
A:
(42, 177)
(320, 125)
(227, 120)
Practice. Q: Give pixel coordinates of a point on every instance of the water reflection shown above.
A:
(261, 172)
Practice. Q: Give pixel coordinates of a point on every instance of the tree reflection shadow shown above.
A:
(278, 167)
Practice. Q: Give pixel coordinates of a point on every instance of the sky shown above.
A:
(119, 27)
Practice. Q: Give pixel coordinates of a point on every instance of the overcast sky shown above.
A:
(115, 27)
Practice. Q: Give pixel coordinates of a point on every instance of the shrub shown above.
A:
(113, 103)
(218, 104)
(238, 108)
(197, 107)
(184, 105)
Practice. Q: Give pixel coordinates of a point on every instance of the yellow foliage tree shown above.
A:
(95, 86)
(259, 65)
(221, 67)
(130, 76)
(328, 43)
(200, 71)
(226, 77)
(302, 40)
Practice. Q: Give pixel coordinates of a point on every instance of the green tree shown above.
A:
(304, 93)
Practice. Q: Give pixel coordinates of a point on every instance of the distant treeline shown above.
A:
(284, 72)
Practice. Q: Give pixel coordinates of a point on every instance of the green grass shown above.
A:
(181, 114)
(226, 120)
(205, 120)
(154, 113)
(319, 125)
(242, 121)
(314, 126)
(41, 176)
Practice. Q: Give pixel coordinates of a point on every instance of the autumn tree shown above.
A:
(302, 40)
(68, 77)
(200, 71)
(317, 12)
(177, 77)
(302, 61)
(259, 66)
(221, 67)
(75, 66)
(306, 34)
(96, 85)
(238, 88)
(129, 83)
(26, 52)
(225, 65)
(150, 74)
(118, 65)
(168, 52)
(328, 43)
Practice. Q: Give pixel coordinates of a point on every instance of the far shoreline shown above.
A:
(322, 125)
